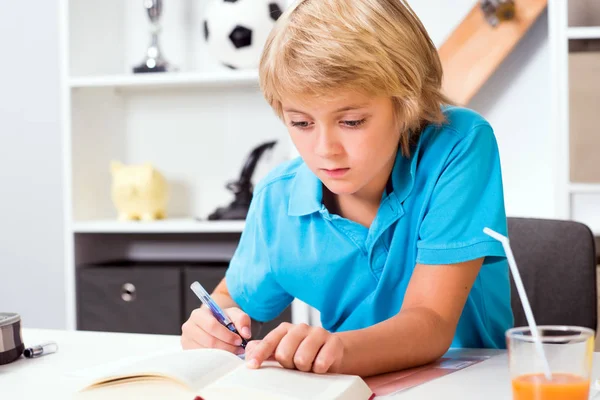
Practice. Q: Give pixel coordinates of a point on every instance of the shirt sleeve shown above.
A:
(467, 197)
(249, 277)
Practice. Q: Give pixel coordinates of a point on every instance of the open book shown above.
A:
(218, 375)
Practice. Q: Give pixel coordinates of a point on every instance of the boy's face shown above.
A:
(348, 140)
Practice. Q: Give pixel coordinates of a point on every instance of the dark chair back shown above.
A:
(557, 262)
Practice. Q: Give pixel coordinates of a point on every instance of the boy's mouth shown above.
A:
(335, 172)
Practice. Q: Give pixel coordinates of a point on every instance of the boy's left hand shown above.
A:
(301, 347)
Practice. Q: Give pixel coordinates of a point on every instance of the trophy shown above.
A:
(154, 61)
(496, 11)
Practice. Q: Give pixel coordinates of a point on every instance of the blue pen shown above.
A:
(215, 310)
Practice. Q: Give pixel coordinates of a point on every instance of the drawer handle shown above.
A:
(128, 292)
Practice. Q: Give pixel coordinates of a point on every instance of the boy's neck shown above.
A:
(362, 206)
(357, 209)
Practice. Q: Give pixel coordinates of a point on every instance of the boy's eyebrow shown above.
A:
(345, 108)
(352, 107)
(293, 111)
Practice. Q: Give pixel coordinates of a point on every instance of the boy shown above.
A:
(379, 224)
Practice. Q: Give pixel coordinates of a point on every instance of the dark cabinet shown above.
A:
(148, 297)
(137, 298)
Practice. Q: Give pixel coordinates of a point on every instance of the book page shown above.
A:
(138, 388)
(92, 372)
(273, 381)
(192, 368)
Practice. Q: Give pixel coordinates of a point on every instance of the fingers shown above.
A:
(329, 356)
(187, 341)
(309, 348)
(298, 347)
(203, 330)
(204, 319)
(241, 320)
(194, 337)
(250, 347)
(266, 347)
(288, 348)
(189, 334)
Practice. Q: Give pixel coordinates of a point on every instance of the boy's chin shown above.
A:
(341, 188)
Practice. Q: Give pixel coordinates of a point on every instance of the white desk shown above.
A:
(46, 376)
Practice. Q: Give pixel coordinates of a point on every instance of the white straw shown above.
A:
(523, 295)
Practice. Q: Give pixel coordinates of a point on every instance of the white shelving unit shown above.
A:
(570, 22)
(196, 126)
(171, 225)
(583, 32)
(592, 188)
(171, 80)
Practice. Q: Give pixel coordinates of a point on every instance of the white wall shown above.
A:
(516, 101)
(31, 233)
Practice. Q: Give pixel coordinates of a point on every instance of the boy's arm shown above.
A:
(420, 333)
(423, 329)
(222, 297)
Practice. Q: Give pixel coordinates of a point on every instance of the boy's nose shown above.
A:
(327, 144)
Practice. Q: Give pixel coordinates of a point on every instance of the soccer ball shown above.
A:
(235, 31)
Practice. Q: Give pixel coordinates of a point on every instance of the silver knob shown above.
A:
(128, 292)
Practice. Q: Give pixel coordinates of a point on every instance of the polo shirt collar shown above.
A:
(306, 194)
(403, 174)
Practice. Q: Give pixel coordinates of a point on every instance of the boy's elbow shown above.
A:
(445, 331)
(439, 352)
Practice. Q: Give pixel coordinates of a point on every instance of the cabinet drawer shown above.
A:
(129, 298)
(210, 276)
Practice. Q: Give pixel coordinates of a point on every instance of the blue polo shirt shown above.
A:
(442, 198)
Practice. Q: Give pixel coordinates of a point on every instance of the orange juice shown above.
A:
(560, 387)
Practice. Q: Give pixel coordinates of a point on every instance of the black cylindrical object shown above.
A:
(11, 338)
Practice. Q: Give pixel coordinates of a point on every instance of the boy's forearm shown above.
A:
(413, 337)
(224, 300)
(222, 297)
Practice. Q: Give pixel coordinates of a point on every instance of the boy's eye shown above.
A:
(354, 123)
(300, 124)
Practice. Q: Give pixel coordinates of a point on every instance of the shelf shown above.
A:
(168, 80)
(584, 32)
(592, 188)
(174, 225)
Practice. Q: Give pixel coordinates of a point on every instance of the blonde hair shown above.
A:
(376, 47)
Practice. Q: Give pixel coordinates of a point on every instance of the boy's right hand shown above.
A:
(202, 330)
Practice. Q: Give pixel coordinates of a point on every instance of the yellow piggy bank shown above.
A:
(139, 192)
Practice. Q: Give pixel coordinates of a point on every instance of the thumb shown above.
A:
(241, 320)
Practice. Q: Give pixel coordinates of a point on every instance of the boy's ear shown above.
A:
(115, 166)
